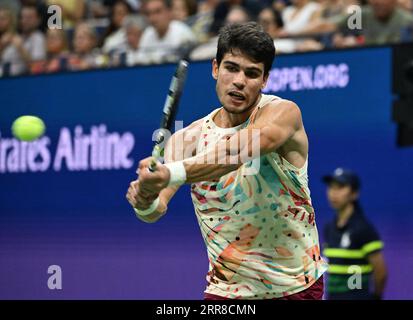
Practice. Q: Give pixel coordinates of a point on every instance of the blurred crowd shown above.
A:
(44, 36)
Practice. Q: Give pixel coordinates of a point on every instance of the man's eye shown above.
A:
(252, 74)
(231, 68)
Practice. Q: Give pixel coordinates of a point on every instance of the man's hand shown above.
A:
(152, 183)
(140, 202)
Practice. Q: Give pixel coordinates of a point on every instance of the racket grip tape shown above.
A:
(156, 154)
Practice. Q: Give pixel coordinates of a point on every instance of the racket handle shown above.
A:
(156, 154)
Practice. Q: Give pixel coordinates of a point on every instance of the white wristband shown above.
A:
(148, 211)
(177, 173)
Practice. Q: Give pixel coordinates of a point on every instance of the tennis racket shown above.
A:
(170, 110)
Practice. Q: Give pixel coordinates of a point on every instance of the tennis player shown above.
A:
(256, 216)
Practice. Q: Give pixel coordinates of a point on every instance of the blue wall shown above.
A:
(79, 219)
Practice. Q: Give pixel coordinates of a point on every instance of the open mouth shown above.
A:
(236, 95)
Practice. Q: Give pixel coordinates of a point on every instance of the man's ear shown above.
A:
(215, 69)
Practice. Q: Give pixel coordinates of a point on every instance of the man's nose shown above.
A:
(239, 80)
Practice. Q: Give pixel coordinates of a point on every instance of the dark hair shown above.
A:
(250, 39)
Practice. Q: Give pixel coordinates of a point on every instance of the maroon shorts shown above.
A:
(315, 292)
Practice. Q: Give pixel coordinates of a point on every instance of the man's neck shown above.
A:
(225, 119)
(344, 214)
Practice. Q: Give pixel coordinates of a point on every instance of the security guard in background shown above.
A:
(352, 245)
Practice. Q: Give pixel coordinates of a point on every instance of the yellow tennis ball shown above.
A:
(28, 128)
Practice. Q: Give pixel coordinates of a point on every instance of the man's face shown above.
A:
(239, 81)
(340, 195)
(158, 15)
(29, 20)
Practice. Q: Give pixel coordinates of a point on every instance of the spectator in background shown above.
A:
(134, 26)
(57, 53)
(96, 9)
(73, 11)
(271, 21)
(351, 241)
(186, 11)
(13, 5)
(86, 55)
(208, 50)
(115, 37)
(11, 60)
(182, 10)
(337, 8)
(383, 22)
(297, 17)
(198, 17)
(299, 14)
(332, 8)
(204, 19)
(280, 5)
(406, 4)
(253, 8)
(135, 4)
(34, 41)
(102, 8)
(237, 14)
(207, 5)
(165, 39)
(21, 51)
(41, 10)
